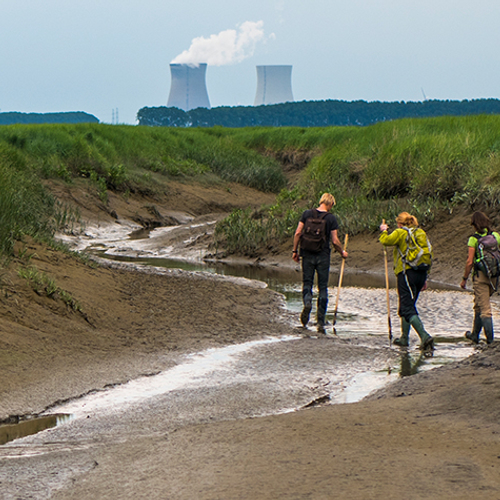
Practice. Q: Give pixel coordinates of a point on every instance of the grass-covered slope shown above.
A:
(422, 165)
(120, 158)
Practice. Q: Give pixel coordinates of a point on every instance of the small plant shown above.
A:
(24, 255)
(43, 284)
(66, 218)
(70, 301)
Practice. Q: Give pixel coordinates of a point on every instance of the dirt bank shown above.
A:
(434, 435)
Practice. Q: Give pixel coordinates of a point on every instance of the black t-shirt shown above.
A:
(331, 225)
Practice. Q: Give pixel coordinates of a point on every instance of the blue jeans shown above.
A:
(316, 263)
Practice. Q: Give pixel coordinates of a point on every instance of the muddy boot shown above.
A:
(488, 329)
(426, 341)
(320, 325)
(477, 325)
(404, 340)
(321, 316)
(304, 316)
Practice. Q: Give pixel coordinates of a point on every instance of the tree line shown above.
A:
(11, 118)
(313, 113)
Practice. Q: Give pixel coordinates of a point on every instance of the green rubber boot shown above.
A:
(477, 325)
(488, 329)
(426, 341)
(404, 340)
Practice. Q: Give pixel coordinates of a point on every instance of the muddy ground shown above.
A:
(434, 435)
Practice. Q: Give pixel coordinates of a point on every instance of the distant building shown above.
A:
(188, 89)
(274, 85)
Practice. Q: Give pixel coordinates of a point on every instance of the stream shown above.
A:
(264, 377)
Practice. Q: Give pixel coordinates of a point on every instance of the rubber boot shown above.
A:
(304, 316)
(404, 340)
(488, 329)
(426, 341)
(321, 315)
(477, 325)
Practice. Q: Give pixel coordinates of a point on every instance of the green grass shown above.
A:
(123, 159)
(420, 165)
(423, 166)
(117, 157)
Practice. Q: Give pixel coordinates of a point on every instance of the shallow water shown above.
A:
(274, 375)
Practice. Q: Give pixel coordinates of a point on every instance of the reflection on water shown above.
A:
(361, 385)
(9, 432)
(410, 364)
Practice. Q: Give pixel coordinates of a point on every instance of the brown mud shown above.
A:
(433, 435)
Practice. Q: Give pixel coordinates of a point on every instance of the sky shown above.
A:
(103, 56)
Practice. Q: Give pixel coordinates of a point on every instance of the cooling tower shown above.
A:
(274, 85)
(188, 89)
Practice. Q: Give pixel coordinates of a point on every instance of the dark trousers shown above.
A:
(409, 285)
(316, 264)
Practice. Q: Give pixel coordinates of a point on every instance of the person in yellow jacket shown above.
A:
(412, 262)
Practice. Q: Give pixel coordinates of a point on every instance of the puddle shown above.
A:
(9, 432)
(363, 384)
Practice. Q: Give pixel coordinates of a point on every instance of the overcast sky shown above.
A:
(101, 55)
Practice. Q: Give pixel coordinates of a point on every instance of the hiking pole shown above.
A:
(341, 275)
(387, 292)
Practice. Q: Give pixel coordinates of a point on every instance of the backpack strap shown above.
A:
(320, 215)
(411, 237)
(477, 235)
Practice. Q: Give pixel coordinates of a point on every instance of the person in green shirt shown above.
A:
(482, 285)
(412, 262)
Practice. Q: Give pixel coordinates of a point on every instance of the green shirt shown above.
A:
(397, 239)
(473, 241)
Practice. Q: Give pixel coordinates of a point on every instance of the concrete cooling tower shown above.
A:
(274, 85)
(188, 89)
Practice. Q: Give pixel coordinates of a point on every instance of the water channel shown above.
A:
(256, 378)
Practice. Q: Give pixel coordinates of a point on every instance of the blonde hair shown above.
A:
(327, 199)
(405, 219)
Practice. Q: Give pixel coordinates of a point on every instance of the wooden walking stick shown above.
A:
(341, 275)
(387, 292)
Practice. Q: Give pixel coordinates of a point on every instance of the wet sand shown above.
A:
(433, 435)
(440, 440)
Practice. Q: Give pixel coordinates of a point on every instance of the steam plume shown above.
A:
(228, 47)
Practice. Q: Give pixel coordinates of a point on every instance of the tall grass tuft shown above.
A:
(25, 206)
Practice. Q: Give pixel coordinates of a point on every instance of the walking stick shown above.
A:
(387, 292)
(341, 275)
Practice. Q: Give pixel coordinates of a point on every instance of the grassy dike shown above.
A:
(422, 165)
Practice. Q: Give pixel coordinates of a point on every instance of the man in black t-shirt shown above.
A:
(317, 262)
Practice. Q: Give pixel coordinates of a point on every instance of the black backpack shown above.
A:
(313, 236)
(487, 257)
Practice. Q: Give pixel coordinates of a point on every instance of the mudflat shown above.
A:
(432, 435)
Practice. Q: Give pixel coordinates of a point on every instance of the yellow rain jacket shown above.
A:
(398, 239)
